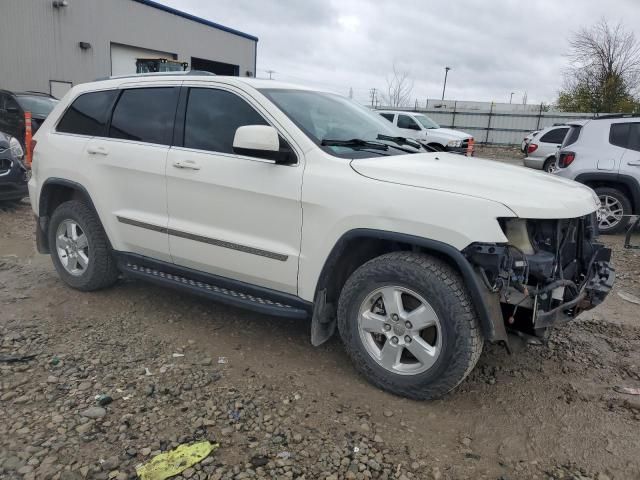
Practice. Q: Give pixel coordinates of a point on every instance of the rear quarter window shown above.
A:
(572, 136)
(88, 114)
(388, 116)
(555, 136)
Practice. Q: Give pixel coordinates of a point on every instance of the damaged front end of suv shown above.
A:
(549, 272)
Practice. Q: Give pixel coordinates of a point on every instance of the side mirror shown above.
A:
(261, 141)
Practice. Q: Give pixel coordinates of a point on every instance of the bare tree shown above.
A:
(604, 74)
(399, 88)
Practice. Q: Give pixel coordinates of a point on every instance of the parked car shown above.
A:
(303, 204)
(604, 153)
(13, 105)
(13, 173)
(421, 128)
(526, 140)
(542, 149)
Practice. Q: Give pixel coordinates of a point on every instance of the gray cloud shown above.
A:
(494, 47)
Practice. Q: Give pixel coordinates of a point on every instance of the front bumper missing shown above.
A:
(595, 290)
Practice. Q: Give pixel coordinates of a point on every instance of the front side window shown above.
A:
(405, 121)
(427, 122)
(145, 115)
(212, 118)
(88, 114)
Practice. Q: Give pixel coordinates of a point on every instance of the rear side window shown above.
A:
(88, 114)
(555, 136)
(405, 121)
(634, 137)
(619, 134)
(212, 118)
(145, 115)
(388, 116)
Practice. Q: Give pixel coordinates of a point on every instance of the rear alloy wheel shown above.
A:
(615, 208)
(549, 165)
(80, 249)
(408, 324)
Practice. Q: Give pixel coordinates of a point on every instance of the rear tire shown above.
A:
(549, 164)
(613, 214)
(453, 348)
(80, 249)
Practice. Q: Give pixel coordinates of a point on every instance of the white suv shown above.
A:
(604, 153)
(419, 127)
(302, 204)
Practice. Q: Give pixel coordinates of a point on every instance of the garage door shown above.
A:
(123, 58)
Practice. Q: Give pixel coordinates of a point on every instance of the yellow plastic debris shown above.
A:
(168, 464)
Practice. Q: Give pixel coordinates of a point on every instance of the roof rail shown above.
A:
(616, 115)
(157, 74)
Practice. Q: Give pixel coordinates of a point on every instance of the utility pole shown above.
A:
(524, 98)
(446, 72)
(372, 94)
(271, 72)
(511, 97)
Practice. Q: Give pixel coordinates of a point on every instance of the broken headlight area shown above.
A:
(548, 272)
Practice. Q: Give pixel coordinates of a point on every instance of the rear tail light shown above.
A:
(532, 147)
(566, 158)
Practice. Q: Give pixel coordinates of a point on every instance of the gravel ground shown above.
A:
(111, 378)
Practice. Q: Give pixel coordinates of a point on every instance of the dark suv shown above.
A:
(13, 173)
(13, 105)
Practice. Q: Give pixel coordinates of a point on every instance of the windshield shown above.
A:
(36, 104)
(327, 116)
(426, 121)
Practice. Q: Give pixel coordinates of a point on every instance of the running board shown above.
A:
(220, 291)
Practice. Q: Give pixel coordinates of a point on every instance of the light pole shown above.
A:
(511, 97)
(446, 72)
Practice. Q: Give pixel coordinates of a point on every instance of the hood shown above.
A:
(450, 134)
(528, 193)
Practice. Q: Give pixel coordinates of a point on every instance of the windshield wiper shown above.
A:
(398, 140)
(355, 143)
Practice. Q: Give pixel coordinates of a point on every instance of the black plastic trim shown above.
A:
(299, 308)
(631, 183)
(464, 267)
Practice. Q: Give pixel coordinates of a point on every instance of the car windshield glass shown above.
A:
(36, 104)
(426, 121)
(327, 116)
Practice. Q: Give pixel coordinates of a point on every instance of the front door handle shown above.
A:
(97, 150)
(187, 164)
(634, 163)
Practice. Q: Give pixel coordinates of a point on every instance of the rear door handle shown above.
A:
(634, 163)
(97, 150)
(187, 164)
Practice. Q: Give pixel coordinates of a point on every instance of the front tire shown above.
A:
(409, 326)
(613, 216)
(80, 249)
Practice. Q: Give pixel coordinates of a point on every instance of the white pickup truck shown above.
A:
(419, 127)
(303, 204)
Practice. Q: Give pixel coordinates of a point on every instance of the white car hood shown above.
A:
(449, 134)
(528, 193)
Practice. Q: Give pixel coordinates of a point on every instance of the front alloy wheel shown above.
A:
(400, 330)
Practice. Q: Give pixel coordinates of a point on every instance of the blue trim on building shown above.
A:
(188, 16)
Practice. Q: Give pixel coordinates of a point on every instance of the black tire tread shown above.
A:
(416, 267)
(103, 271)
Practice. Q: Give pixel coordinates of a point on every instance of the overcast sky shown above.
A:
(493, 47)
